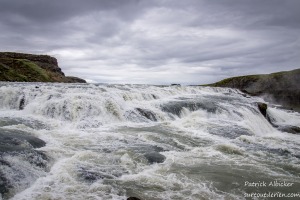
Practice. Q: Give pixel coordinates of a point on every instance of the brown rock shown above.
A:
(262, 108)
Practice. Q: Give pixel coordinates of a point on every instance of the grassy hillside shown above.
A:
(22, 70)
(281, 87)
(20, 67)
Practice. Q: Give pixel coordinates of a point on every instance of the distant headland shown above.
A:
(281, 87)
(21, 67)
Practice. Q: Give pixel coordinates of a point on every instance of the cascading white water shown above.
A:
(151, 142)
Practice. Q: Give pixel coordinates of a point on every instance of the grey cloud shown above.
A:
(141, 40)
(260, 13)
(55, 10)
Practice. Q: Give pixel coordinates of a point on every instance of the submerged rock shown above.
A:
(93, 176)
(284, 128)
(17, 149)
(5, 185)
(133, 198)
(154, 157)
(22, 103)
(175, 107)
(13, 140)
(232, 131)
(147, 113)
(290, 129)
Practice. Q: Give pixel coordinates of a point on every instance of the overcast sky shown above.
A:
(156, 41)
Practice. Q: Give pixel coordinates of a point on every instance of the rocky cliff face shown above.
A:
(282, 87)
(32, 68)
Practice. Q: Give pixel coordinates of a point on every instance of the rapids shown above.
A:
(150, 142)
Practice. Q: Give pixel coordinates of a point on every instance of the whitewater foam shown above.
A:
(100, 138)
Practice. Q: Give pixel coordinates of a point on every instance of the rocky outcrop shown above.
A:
(18, 148)
(262, 108)
(72, 79)
(22, 67)
(280, 88)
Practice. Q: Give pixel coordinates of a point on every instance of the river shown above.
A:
(151, 142)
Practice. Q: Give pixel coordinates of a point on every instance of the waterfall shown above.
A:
(98, 141)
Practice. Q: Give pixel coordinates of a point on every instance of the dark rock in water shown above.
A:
(244, 91)
(145, 148)
(284, 128)
(3, 162)
(13, 140)
(146, 113)
(154, 157)
(20, 146)
(5, 185)
(175, 107)
(133, 198)
(154, 96)
(92, 176)
(290, 129)
(281, 152)
(231, 132)
(34, 124)
(175, 84)
(35, 142)
(262, 108)
(13, 177)
(22, 103)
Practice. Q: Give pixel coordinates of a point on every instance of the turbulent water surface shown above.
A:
(150, 142)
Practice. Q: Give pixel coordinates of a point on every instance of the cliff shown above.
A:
(281, 87)
(22, 67)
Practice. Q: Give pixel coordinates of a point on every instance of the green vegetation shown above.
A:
(22, 70)
(244, 79)
(254, 78)
(21, 67)
(36, 71)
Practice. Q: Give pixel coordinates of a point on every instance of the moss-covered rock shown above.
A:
(21, 67)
